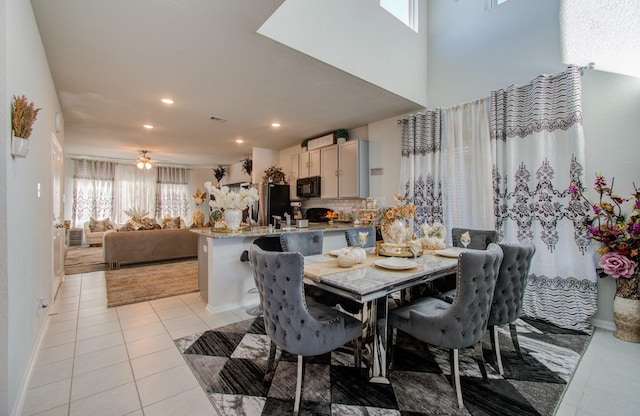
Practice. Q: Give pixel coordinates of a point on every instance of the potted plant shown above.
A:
(23, 115)
(247, 165)
(304, 144)
(341, 135)
(219, 173)
(274, 174)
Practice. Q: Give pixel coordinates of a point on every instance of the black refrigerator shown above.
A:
(274, 200)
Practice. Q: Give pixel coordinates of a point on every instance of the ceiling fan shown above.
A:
(144, 161)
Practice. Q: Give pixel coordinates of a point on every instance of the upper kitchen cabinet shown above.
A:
(345, 170)
(309, 164)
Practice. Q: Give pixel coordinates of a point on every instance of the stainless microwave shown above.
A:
(308, 187)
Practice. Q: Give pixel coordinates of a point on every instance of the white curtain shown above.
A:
(421, 166)
(92, 190)
(467, 172)
(134, 189)
(538, 151)
(173, 192)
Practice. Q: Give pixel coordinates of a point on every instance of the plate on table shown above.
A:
(395, 263)
(452, 252)
(339, 251)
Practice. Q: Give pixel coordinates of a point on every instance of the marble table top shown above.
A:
(370, 280)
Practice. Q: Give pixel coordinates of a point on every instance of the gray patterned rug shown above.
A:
(229, 362)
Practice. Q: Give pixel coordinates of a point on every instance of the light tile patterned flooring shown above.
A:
(96, 360)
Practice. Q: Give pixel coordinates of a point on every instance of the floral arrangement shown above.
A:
(219, 172)
(136, 214)
(23, 116)
(226, 199)
(274, 174)
(247, 165)
(398, 212)
(618, 235)
(393, 221)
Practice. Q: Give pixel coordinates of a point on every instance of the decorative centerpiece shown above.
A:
(433, 236)
(619, 238)
(198, 217)
(396, 226)
(232, 203)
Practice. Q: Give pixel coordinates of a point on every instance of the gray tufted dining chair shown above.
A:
(462, 323)
(508, 296)
(306, 243)
(309, 243)
(353, 238)
(291, 324)
(480, 239)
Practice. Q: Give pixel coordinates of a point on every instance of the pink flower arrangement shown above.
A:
(618, 235)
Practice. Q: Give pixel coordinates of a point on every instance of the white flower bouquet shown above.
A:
(226, 199)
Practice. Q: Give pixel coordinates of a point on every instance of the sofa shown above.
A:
(94, 238)
(148, 245)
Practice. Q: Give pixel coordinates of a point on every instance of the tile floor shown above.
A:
(96, 360)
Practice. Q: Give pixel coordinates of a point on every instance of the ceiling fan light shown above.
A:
(147, 165)
(140, 165)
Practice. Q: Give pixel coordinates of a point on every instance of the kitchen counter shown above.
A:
(258, 231)
(225, 280)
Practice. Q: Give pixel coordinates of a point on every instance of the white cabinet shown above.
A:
(329, 172)
(309, 163)
(294, 174)
(345, 170)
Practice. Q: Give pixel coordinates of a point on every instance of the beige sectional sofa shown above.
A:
(148, 245)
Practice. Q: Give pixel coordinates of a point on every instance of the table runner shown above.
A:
(315, 271)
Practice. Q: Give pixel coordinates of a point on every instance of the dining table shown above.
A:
(373, 283)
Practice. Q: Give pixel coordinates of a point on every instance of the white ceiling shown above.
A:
(112, 61)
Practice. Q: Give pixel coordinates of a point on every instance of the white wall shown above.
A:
(4, 247)
(358, 37)
(262, 159)
(27, 215)
(385, 140)
(611, 112)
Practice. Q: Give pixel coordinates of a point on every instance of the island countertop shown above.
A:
(258, 231)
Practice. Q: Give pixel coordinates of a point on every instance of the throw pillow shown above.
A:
(170, 223)
(149, 224)
(97, 226)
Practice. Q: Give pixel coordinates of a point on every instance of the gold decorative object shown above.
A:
(396, 250)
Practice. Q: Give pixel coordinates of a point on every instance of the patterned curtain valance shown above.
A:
(421, 133)
(173, 175)
(93, 169)
(548, 103)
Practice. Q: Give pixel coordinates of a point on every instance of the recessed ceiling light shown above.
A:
(167, 100)
(275, 124)
(147, 126)
(239, 141)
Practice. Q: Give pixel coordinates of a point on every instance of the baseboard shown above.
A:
(601, 323)
(33, 359)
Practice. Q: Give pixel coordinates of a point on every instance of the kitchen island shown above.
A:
(224, 280)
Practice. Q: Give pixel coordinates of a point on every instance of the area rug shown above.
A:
(142, 282)
(84, 260)
(229, 363)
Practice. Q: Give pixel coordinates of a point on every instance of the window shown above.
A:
(404, 10)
